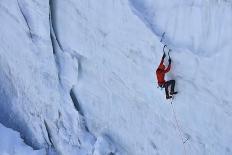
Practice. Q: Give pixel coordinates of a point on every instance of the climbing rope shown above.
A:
(179, 129)
(173, 110)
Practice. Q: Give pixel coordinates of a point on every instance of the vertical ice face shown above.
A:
(37, 76)
(32, 99)
(25, 54)
(119, 46)
(77, 76)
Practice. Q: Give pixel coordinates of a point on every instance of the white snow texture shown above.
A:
(77, 77)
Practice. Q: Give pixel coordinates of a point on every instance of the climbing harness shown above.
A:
(160, 86)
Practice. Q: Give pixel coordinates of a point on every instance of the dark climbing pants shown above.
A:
(167, 84)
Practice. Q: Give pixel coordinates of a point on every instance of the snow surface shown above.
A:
(77, 76)
(12, 144)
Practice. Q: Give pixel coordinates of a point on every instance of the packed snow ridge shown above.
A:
(77, 77)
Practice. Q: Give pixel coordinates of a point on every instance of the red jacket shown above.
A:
(160, 72)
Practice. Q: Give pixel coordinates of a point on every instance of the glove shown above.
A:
(164, 55)
(169, 60)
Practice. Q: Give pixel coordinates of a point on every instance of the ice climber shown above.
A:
(160, 74)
